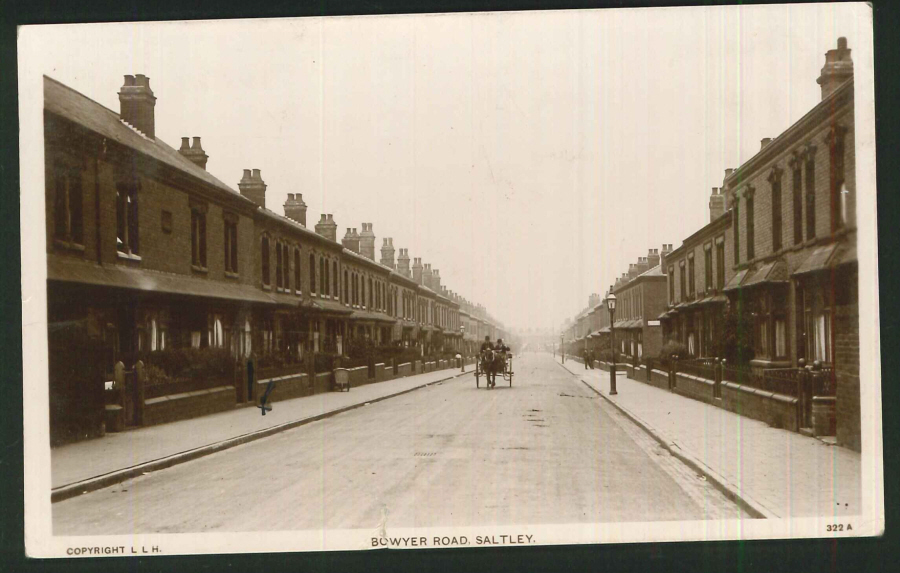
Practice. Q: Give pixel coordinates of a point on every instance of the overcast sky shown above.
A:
(529, 156)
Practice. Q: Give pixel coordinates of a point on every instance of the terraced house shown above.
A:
(148, 253)
(770, 284)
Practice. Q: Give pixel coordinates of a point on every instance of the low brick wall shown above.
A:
(405, 369)
(777, 410)
(658, 378)
(359, 376)
(387, 373)
(286, 387)
(185, 405)
(322, 382)
(379, 372)
(694, 387)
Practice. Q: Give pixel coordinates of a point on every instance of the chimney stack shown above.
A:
(403, 263)
(716, 204)
(652, 258)
(387, 253)
(351, 240)
(764, 142)
(642, 265)
(295, 208)
(327, 227)
(137, 103)
(428, 276)
(252, 187)
(193, 153)
(666, 249)
(367, 241)
(436, 281)
(838, 68)
(417, 269)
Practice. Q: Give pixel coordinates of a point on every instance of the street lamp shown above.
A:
(611, 305)
(562, 348)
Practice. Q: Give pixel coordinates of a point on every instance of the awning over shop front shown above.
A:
(828, 257)
(666, 315)
(62, 269)
(605, 329)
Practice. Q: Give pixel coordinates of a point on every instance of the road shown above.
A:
(548, 450)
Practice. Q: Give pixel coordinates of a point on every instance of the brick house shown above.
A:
(794, 244)
(147, 252)
(697, 272)
(640, 298)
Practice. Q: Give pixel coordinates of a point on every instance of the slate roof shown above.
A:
(67, 103)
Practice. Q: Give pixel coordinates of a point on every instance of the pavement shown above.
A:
(89, 465)
(546, 450)
(773, 473)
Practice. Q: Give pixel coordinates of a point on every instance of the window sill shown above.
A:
(267, 287)
(128, 256)
(199, 269)
(68, 245)
(298, 292)
(231, 275)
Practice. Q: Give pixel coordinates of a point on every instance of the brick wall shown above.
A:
(846, 366)
(165, 409)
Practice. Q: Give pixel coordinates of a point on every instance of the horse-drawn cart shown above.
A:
(491, 363)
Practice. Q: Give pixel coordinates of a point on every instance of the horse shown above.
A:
(492, 362)
(488, 359)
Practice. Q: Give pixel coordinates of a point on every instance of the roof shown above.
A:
(369, 315)
(649, 273)
(65, 269)
(324, 305)
(364, 259)
(67, 103)
(828, 257)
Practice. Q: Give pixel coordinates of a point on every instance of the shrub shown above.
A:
(671, 349)
(190, 363)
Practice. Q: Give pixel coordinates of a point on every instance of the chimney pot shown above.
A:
(184, 143)
(196, 144)
(129, 80)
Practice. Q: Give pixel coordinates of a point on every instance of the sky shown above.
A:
(529, 156)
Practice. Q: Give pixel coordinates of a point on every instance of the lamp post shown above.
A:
(562, 348)
(611, 305)
(462, 335)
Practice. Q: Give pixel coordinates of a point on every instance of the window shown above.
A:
(323, 278)
(818, 324)
(127, 218)
(334, 279)
(751, 229)
(720, 263)
(346, 288)
(216, 332)
(707, 267)
(279, 267)
(682, 283)
(761, 327)
(736, 223)
(266, 277)
(810, 192)
(691, 277)
(198, 238)
(671, 286)
(836, 176)
(231, 248)
(297, 269)
(286, 259)
(68, 210)
(775, 181)
(797, 191)
(312, 273)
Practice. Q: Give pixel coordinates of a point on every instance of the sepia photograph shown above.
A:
(450, 280)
